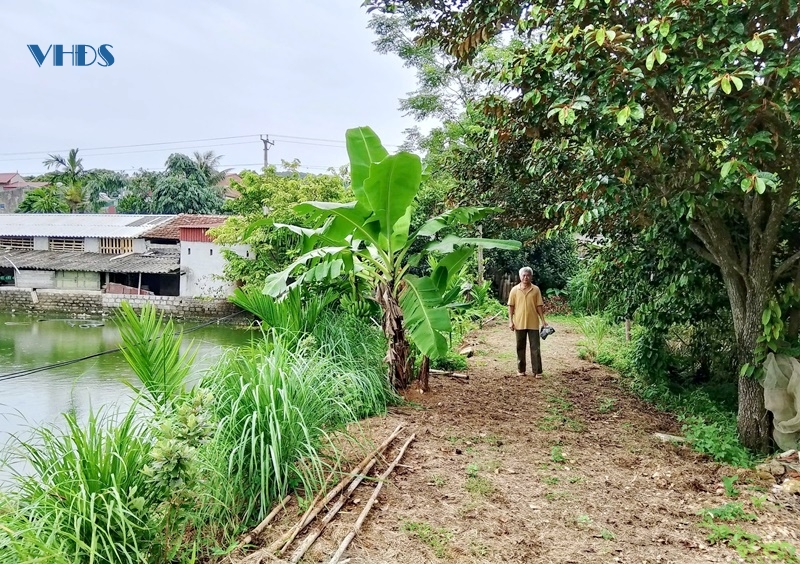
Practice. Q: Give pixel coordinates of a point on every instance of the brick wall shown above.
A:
(96, 303)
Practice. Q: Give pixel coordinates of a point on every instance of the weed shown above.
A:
(556, 455)
(574, 479)
(606, 405)
(438, 480)
(758, 501)
(749, 545)
(478, 549)
(472, 470)
(551, 480)
(728, 512)
(558, 415)
(493, 465)
(607, 535)
(728, 483)
(552, 496)
(437, 539)
(480, 486)
(583, 521)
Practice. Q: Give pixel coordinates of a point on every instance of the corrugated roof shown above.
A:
(78, 225)
(171, 229)
(153, 262)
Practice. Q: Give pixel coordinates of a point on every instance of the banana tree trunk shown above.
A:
(424, 371)
(398, 357)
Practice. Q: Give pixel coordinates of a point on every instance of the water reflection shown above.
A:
(29, 342)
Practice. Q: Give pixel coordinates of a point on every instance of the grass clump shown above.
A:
(436, 539)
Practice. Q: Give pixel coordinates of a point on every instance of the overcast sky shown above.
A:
(299, 70)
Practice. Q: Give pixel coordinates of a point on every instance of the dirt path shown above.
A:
(562, 469)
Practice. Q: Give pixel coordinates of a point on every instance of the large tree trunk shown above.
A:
(398, 356)
(747, 275)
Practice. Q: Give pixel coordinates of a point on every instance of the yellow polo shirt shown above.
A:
(525, 303)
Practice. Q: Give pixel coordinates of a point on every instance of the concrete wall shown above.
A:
(202, 265)
(11, 198)
(36, 279)
(97, 303)
(91, 244)
(41, 243)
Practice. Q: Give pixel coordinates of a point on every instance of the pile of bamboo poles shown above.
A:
(344, 490)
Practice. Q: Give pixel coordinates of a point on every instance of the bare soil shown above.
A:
(559, 469)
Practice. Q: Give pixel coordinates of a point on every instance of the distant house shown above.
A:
(202, 260)
(13, 188)
(230, 193)
(87, 252)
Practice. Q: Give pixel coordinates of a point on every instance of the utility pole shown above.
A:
(267, 145)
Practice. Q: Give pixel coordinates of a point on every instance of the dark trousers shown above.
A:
(531, 335)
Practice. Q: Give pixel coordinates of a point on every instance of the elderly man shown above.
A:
(525, 311)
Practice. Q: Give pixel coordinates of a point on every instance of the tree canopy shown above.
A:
(650, 115)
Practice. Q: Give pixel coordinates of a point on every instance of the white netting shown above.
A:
(782, 398)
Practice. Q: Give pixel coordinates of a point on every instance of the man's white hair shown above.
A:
(525, 269)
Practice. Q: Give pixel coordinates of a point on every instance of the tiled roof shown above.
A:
(153, 262)
(172, 229)
(78, 224)
(6, 177)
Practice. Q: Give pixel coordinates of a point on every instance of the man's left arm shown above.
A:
(540, 309)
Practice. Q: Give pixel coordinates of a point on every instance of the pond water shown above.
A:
(28, 342)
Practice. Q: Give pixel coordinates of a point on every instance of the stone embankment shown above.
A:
(98, 303)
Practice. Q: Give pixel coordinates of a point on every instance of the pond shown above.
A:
(30, 342)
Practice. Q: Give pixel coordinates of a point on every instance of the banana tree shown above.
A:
(371, 237)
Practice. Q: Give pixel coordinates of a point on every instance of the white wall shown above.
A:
(41, 244)
(35, 279)
(91, 244)
(202, 265)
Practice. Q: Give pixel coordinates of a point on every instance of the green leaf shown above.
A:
(600, 36)
(390, 190)
(726, 168)
(661, 56)
(663, 29)
(426, 321)
(465, 215)
(761, 186)
(622, 115)
(765, 317)
(450, 265)
(348, 219)
(747, 183)
(726, 84)
(277, 283)
(364, 148)
(700, 42)
(447, 244)
(651, 58)
(755, 45)
(737, 82)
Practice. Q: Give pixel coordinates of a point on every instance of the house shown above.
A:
(202, 260)
(228, 191)
(87, 252)
(13, 188)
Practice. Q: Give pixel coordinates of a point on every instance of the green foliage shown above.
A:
(595, 329)
(292, 316)
(728, 512)
(554, 260)
(87, 497)
(272, 195)
(183, 187)
(154, 354)
(750, 546)
(47, 199)
(275, 408)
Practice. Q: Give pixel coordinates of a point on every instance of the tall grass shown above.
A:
(86, 496)
(276, 407)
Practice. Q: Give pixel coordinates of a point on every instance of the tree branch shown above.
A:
(785, 266)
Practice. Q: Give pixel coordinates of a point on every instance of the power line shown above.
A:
(136, 145)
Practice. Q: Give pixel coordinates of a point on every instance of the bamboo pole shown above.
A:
(317, 505)
(346, 542)
(309, 540)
